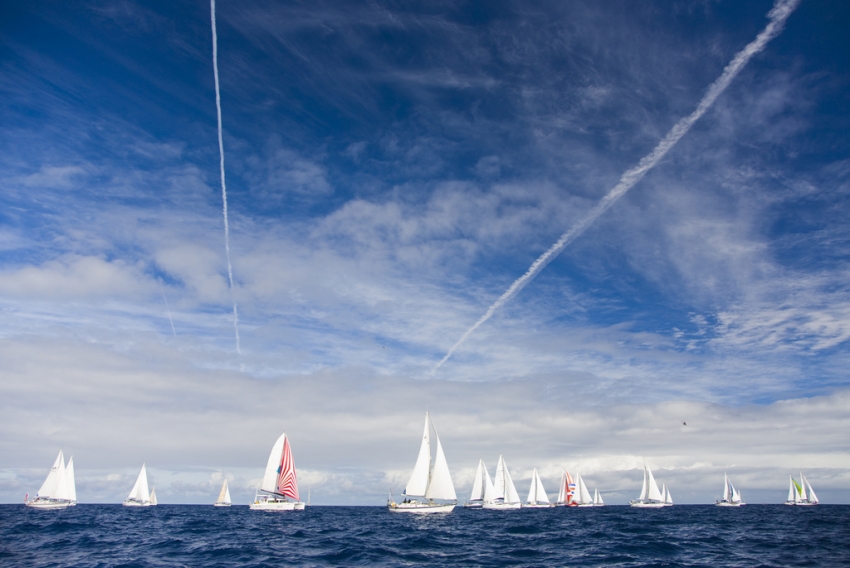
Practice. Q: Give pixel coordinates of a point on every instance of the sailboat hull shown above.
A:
(537, 505)
(502, 506)
(47, 504)
(134, 503)
(473, 505)
(647, 505)
(417, 507)
(273, 506)
(728, 504)
(221, 504)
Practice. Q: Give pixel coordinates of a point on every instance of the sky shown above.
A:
(392, 168)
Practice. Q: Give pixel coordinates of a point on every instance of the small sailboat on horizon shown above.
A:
(537, 498)
(597, 499)
(280, 483)
(731, 497)
(583, 498)
(482, 488)
(140, 495)
(801, 494)
(505, 495)
(431, 484)
(59, 488)
(223, 496)
(650, 495)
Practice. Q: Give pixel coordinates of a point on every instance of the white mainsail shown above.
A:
(803, 496)
(140, 492)
(812, 497)
(418, 483)
(792, 491)
(224, 495)
(653, 494)
(153, 496)
(269, 484)
(725, 487)
(643, 487)
(489, 489)
(48, 488)
(511, 495)
(562, 490)
(478, 483)
(584, 497)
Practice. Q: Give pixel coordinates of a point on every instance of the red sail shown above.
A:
(287, 484)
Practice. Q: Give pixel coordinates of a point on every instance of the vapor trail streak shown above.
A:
(778, 15)
(167, 308)
(223, 185)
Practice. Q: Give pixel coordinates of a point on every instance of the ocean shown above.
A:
(194, 535)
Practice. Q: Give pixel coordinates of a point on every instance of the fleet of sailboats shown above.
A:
(223, 496)
(731, 497)
(59, 489)
(429, 489)
(140, 496)
(801, 494)
(279, 489)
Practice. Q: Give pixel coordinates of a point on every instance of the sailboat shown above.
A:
(432, 485)
(58, 490)
(153, 497)
(567, 490)
(801, 494)
(140, 496)
(665, 496)
(650, 495)
(223, 496)
(279, 482)
(537, 498)
(583, 499)
(731, 497)
(482, 488)
(504, 491)
(597, 499)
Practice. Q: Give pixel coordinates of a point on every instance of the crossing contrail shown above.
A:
(777, 15)
(223, 185)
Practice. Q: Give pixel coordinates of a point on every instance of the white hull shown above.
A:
(502, 506)
(48, 504)
(586, 505)
(801, 504)
(728, 504)
(418, 507)
(473, 505)
(537, 506)
(647, 505)
(277, 506)
(221, 504)
(131, 503)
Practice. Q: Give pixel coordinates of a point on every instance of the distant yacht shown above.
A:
(537, 498)
(223, 496)
(597, 499)
(432, 485)
(59, 489)
(731, 497)
(505, 495)
(583, 499)
(279, 482)
(482, 488)
(140, 496)
(153, 497)
(567, 490)
(801, 494)
(650, 495)
(665, 495)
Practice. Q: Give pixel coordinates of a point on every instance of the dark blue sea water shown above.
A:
(174, 535)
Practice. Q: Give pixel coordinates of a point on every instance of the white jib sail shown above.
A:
(270, 476)
(489, 490)
(597, 498)
(511, 496)
(153, 496)
(140, 490)
(803, 496)
(61, 491)
(541, 492)
(440, 485)
(224, 494)
(48, 488)
(478, 483)
(227, 493)
(562, 495)
(643, 487)
(791, 490)
(583, 494)
(725, 487)
(532, 488)
(653, 493)
(812, 497)
(70, 481)
(418, 483)
(668, 498)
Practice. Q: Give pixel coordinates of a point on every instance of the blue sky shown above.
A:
(392, 168)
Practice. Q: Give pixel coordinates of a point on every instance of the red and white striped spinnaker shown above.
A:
(287, 483)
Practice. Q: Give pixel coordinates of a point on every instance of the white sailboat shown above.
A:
(153, 497)
(505, 495)
(650, 495)
(140, 496)
(58, 490)
(537, 498)
(224, 496)
(432, 485)
(279, 481)
(731, 497)
(597, 499)
(665, 495)
(801, 494)
(583, 499)
(482, 488)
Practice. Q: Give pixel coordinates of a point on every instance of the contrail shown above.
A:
(778, 15)
(223, 185)
(167, 308)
